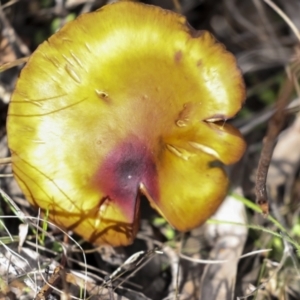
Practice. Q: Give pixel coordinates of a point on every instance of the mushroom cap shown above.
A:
(122, 102)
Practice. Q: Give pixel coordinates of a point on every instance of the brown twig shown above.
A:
(274, 127)
(48, 286)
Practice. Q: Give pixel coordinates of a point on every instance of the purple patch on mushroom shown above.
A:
(123, 170)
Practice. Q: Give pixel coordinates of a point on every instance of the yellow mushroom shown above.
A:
(122, 102)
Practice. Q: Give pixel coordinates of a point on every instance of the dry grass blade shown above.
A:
(5, 160)
(284, 17)
(15, 63)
